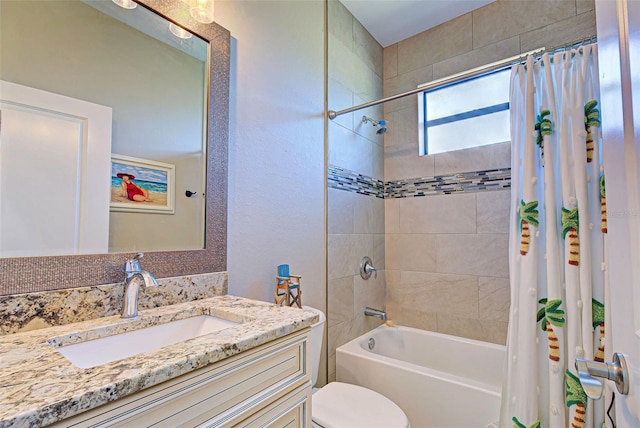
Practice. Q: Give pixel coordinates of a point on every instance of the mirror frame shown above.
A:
(34, 274)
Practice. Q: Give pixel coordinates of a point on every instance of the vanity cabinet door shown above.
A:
(220, 395)
(294, 410)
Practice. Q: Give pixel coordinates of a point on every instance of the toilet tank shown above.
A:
(317, 332)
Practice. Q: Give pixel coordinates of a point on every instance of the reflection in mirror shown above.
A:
(61, 187)
(34, 274)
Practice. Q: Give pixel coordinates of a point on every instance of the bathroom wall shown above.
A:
(355, 204)
(276, 146)
(447, 255)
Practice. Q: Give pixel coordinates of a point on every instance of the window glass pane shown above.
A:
(462, 134)
(469, 95)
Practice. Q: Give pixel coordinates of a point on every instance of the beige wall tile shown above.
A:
(345, 252)
(403, 83)
(477, 57)
(404, 162)
(392, 215)
(341, 23)
(370, 292)
(368, 131)
(410, 252)
(390, 61)
(367, 48)
(485, 330)
(444, 41)
(439, 214)
(368, 214)
(373, 93)
(346, 67)
(460, 326)
(561, 32)
(349, 150)
(341, 64)
(403, 127)
(377, 161)
(494, 299)
(583, 6)
(503, 19)
(484, 255)
(495, 331)
(493, 156)
(340, 211)
(341, 97)
(378, 89)
(378, 252)
(340, 295)
(433, 292)
(493, 211)
(339, 334)
(409, 317)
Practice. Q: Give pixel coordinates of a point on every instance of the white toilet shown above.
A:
(342, 405)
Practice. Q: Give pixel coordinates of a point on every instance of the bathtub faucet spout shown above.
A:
(371, 312)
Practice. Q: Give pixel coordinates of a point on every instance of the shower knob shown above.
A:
(366, 268)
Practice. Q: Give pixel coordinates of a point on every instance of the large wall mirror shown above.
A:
(163, 94)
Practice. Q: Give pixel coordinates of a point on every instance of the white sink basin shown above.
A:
(96, 352)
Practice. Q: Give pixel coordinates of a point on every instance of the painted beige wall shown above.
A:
(355, 221)
(447, 256)
(276, 147)
(151, 120)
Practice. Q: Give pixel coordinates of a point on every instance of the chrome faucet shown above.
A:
(134, 278)
(371, 312)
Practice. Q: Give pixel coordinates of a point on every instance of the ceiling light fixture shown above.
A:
(126, 4)
(201, 10)
(179, 32)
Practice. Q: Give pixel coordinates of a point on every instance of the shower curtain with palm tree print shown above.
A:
(557, 236)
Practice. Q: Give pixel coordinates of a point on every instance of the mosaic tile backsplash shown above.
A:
(343, 179)
(32, 311)
(476, 181)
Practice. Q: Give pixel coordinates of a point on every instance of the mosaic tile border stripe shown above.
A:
(343, 179)
(475, 181)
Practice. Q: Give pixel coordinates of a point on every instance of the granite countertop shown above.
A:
(38, 386)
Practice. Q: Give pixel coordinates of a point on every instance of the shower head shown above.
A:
(383, 127)
(381, 123)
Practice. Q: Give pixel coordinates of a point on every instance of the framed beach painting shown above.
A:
(141, 185)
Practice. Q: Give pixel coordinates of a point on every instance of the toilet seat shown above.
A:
(342, 405)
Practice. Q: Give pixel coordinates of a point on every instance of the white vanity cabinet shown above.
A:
(269, 385)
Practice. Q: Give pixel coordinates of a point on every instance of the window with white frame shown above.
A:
(468, 113)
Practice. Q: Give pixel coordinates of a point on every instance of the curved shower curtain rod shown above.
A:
(474, 72)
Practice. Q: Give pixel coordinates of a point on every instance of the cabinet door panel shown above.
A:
(291, 411)
(221, 394)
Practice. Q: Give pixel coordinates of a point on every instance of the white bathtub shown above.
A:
(438, 380)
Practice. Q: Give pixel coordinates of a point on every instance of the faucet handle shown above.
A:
(366, 268)
(133, 265)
